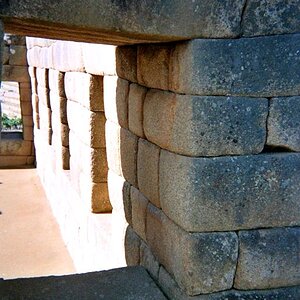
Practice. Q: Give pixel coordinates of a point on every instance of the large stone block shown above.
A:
(139, 207)
(148, 261)
(34, 57)
(230, 193)
(136, 99)
(42, 77)
(268, 258)
(56, 82)
(148, 170)
(132, 247)
(99, 59)
(170, 288)
(25, 94)
(284, 123)
(200, 262)
(116, 100)
(59, 107)
(15, 73)
(205, 126)
(9, 161)
(5, 55)
(121, 147)
(15, 147)
(26, 108)
(265, 17)
(153, 66)
(126, 62)
(43, 94)
(88, 126)
(17, 55)
(85, 89)
(259, 67)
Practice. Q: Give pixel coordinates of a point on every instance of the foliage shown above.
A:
(11, 123)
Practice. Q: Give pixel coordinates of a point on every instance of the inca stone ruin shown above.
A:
(182, 120)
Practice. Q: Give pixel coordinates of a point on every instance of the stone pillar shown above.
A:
(214, 170)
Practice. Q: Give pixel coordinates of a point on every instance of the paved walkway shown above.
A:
(30, 240)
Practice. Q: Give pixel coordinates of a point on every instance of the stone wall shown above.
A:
(68, 81)
(14, 68)
(212, 137)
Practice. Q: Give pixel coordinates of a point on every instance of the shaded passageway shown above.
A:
(30, 240)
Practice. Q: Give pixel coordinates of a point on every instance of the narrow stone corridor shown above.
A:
(30, 241)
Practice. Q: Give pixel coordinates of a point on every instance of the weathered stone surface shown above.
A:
(56, 82)
(28, 133)
(230, 193)
(200, 262)
(12, 160)
(148, 261)
(139, 207)
(65, 158)
(268, 258)
(132, 247)
(205, 126)
(91, 128)
(125, 283)
(26, 108)
(15, 73)
(27, 121)
(172, 291)
(153, 66)
(15, 147)
(136, 99)
(5, 55)
(59, 107)
(25, 94)
(64, 135)
(259, 67)
(42, 77)
(284, 123)
(99, 59)
(17, 56)
(126, 62)
(116, 100)
(43, 94)
(121, 147)
(85, 89)
(265, 17)
(116, 22)
(33, 80)
(148, 170)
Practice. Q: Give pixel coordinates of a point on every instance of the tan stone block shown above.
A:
(28, 133)
(15, 147)
(15, 73)
(67, 56)
(99, 59)
(65, 158)
(30, 160)
(46, 58)
(153, 66)
(25, 85)
(126, 62)
(56, 82)
(33, 57)
(85, 89)
(88, 126)
(122, 152)
(35, 102)
(26, 108)
(59, 106)
(18, 55)
(43, 94)
(45, 115)
(10, 161)
(5, 55)
(33, 80)
(27, 121)
(139, 209)
(65, 135)
(148, 170)
(25, 94)
(42, 77)
(116, 100)
(136, 99)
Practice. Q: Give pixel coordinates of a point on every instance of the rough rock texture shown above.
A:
(230, 193)
(200, 262)
(265, 17)
(132, 247)
(259, 67)
(148, 261)
(126, 62)
(123, 22)
(268, 258)
(205, 126)
(126, 283)
(284, 123)
(171, 289)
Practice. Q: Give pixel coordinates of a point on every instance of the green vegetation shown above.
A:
(11, 123)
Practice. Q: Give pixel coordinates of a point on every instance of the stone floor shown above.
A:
(30, 240)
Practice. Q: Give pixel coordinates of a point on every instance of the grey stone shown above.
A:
(200, 262)
(205, 126)
(268, 258)
(132, 247)
(17, 55)
(148, 170)
(284, 123)
(172, 291)
(5, 55)
(129, 283)
(121, 22)
(230, 193)
(148, 261)
(139, 207)
(127, 202)
(15, 73)
(126, 62)
(258, 67)
(266, 17)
